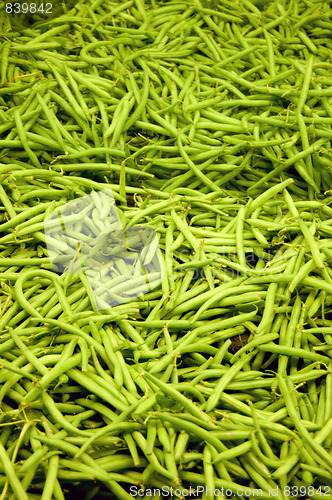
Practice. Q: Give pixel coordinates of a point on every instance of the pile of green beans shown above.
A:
(210, 122)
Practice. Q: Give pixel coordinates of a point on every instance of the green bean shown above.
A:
(51, 477)
(269, 305)
(142, 100)
(29, 355)
(7, 204)
(152, 457)
(177, 396)
(62, 366)
(224, 380)
(191, 428)
(88, 464)
(305, 85)
(23, 139)
(67, 93)
(11, 475)
(267, 195)
(292, 351)
(224, 291)
(202, 177)
(324, 457)
(88, 84)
